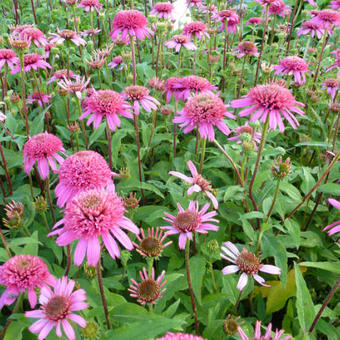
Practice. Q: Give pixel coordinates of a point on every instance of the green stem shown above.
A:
(204, 143)
(82, 125)
(102, 294)
(213, 276)
(5, 243)
(50, 199)
(273, 202)
(45, 221)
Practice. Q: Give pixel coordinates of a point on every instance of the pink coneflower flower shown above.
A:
(247, 263)
(254, 21)
(151, 245)
(194, 3)
(334, 227)
(18, 29)
(48, 47)
(41, 98)
(43, 148)
(278, 7)
(92, 214)
(337, 62)
(57, 307)
(179, 41)
(66, 34)
(246, 132)
(76, 86)
(139, 95)
(327, 18)
(180, 336)
(90, 5)
(106, 104)
(23, 272)
(246, 48)
(81, 171)
(117, 61)
(60, 75)
(150, 289)
(265, 2)
(8, 57)
(194, 84)
(268, 335)
(174, 86)
(190, 220)
(230, 17)
(157, 84)
(130, 23)
(198, 183)
(309, 27)
(34, 35)
(335, 4)
(90, 32)
(293, 65)
(32, 61)
(204, 111)
(196, 29)
(273, 100)
(163, 10)
(96, 61)
(332, 85)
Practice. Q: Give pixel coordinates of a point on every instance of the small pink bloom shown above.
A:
(335, 4)
(197, 29)
(194, 85)
(139, 95)
(194, 3)
(273, 100)
(34, 35)
(174, 86)
(117, 61)
(130, 23)
(82, 171)
(157, 84)
(246, 48)
(106, 104)
(190, 220)
(179, 41)
(332, 85)
(90, 32)
(57, 307)
(228, 17)
(60, 75)
(312, 28)
(163, 10)
(43, 148)
(62, 35)
(32, 61)
(247, 263)
(293, 65)
(246, 132)
(23, 272)
(180, 336)
(254, 21)
(267, 336)
(41, 98)
(198, 183)
(90, 216)
(90, 5)
(76, 86)
(334, 227)
(48, 47)
(205, 111)
(8, 57)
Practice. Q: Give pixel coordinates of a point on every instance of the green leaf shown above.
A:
(97, 133)
(252, 214)
(291, 191)
(234, 192)
(330, 188)
(317, 144)
(197, 271)
(333, 267)
(172, 309)
(304, 303)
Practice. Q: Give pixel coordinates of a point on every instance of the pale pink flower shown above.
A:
(195, 3)
(278, 7)
(41, 98)
(163, 10)
(194, 85)
(32, 61)
(273, 100)
(96, 61)
(335, 4)
(312, 28)
(60, 75)
(246, 132)
(245, 48)
(117, 61)
(57, 307)
(66, 34)
(48, 47)
(332, 85)
(337, 62)
(327, 18)
(151, 245)
(179, 41)
(90, 215)
(228, 17)
(130, 23)
(293, 65)
(205, 111)
(198, 183)
(90, 32)
(43, 148)
(8, 57)
(18, 29)
(157, 84)
(254, 21)
(34, 35)
(247, 263)
(149, 290)
(90, 5)
(139, 95)
(196, 29)
(174, 86)
(106, 104)
(82, 171)
(23, 272)
(190, 220)
(76, 86)
(268, 335)
(180, 336)
(334, 227)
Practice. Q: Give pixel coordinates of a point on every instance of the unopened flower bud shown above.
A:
(131, 202)
(62, 91)
(248, 146)
(73, 127)
(281, 169)
(124, 173)
(90, 271)
(14, 98)
(166, 110)
(90, 331)
(40, 204)
(231, 324)
(335, 107)
(125, 256)
(213, 246)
